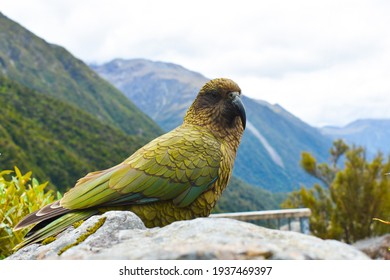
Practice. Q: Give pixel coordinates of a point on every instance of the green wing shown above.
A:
(178, 166)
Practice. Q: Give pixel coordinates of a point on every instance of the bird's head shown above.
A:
(218, 106)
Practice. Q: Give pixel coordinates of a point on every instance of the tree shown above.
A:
(348, 200)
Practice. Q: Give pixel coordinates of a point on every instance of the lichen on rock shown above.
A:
(81, 238)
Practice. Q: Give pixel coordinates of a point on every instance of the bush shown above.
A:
(350, 198)
(19, 196)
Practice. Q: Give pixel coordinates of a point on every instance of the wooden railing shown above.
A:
(302, 214)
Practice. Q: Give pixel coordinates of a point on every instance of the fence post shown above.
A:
(305, 225)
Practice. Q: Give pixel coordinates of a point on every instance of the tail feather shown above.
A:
(56, 226)
(49, 211)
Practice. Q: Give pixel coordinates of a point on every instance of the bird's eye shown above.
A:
(214, 93)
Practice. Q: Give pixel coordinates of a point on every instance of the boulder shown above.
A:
(377, 248)
(122, 235)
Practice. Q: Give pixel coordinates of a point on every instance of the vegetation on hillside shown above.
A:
(52, 70)
(55, 140)
(350, 198)
(240, 196)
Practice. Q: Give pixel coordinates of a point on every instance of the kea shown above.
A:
(177, 176)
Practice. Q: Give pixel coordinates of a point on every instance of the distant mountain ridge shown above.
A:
(152, 87)
(373, 134)
(272, 143)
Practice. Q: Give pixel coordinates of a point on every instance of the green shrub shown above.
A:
(19, 196)
(351, 197)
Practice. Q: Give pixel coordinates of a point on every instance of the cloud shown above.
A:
(327, 62)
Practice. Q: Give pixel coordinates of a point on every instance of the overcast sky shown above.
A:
(327, 62)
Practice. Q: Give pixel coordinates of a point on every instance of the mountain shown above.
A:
(240, 196)
(270, 151)
(162, 90)
(373, 134)
(272, 145)
(58, 117)
(51, 70)
(56, 140)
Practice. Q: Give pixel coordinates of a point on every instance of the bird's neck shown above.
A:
(230, 133)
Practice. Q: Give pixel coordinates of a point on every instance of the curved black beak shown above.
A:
(239, 106)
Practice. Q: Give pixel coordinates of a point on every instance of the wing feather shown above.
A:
(169, 167)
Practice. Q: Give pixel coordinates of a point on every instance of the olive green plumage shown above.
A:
(179, 175)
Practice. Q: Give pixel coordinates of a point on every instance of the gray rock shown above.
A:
(377, 248)
(123, 236)
(105, 237)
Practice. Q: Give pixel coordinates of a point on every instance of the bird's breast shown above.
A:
(161, 213)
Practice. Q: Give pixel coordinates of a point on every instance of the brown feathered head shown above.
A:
(218, 106)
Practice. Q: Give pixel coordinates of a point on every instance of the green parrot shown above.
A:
(177, 176)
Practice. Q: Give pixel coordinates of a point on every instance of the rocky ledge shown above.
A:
(122, 235)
